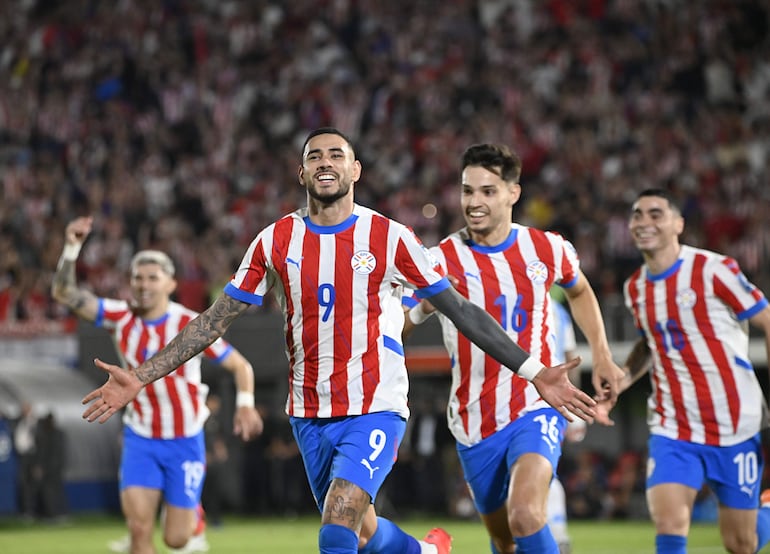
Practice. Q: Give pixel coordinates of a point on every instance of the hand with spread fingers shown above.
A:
(554, 386)
(121, 387)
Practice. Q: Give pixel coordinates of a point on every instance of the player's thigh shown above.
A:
(140, 505)
(670, 506)
(530, 482)
(738, 529)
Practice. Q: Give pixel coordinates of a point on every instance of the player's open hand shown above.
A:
(554, 387)
(121, 387)
(247, 423)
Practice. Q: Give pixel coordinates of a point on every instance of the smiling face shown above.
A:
(329, 168)
(655, 226)
(487, 203)
(151, 288)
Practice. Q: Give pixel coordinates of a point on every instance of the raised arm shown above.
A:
(552, 383)
(64, 289)
(584, 306)
(124, 384)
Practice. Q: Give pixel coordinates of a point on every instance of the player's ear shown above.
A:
(300, 175)
(515, 191)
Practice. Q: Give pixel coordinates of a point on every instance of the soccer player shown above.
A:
(338, 270)
(705, 410)
(163, 456)
(508, 439)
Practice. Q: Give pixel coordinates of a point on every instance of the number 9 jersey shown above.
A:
(340, 289)
(693, 317)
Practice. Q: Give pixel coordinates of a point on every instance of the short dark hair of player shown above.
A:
(497, 158)
(328, 131)
(661, 193)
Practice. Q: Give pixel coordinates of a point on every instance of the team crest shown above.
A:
(686, 298)
(537, 272)
(363, 262)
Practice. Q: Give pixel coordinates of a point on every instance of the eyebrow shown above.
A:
(332, 149)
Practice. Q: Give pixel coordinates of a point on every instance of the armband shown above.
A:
(530, 368)
(71, 251)
(417, 315)
(244, 399)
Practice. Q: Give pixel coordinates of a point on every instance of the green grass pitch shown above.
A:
(238, 535)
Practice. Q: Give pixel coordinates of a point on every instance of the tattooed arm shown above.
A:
(64, 288)
(123, 385)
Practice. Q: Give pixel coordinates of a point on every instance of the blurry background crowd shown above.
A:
(178, 124)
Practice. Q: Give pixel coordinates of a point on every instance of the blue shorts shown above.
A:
(360, 449)
(734, 473)
(487, 464)
(176, 467)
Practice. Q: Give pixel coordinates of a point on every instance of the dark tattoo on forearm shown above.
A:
(192, 339)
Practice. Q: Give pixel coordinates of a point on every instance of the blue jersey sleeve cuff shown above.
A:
(755, 309)
(243, 296)
(433, 289)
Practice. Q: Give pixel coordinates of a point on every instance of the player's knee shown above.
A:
(139, 529)
(744, 543)
(525, 518)
(175, 538)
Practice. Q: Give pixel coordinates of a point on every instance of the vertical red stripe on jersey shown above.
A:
(172, 378)
(690, 358)
(341, 318)
(662, 338)
(311, 252)
(463, 345)
(256, 267)
(370, 358)
(493, 305)
(718, 354)
(282, 228)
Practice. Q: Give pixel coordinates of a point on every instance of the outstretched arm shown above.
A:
(552, 383)
(64, 287)
(637, 364)
(606, 374)
(123, 385)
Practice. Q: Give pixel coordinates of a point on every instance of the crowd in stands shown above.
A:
(178, 124)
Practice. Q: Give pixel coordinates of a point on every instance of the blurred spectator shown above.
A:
(49, 468)
(24, 442)
(172, 122)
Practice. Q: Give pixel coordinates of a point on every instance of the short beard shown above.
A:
(329, 198)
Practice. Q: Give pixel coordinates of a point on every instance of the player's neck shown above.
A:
(658, 261)
(335, 213)
(151, 314)
(494, 237)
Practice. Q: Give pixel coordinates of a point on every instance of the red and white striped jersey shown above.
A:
(171, 407)
(340, 289)
(704, 389)
(511, 282)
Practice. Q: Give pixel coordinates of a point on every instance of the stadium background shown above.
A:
(177, 125)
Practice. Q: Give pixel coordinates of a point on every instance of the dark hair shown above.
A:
(497, 158)
(660, 193)
(328, 131)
